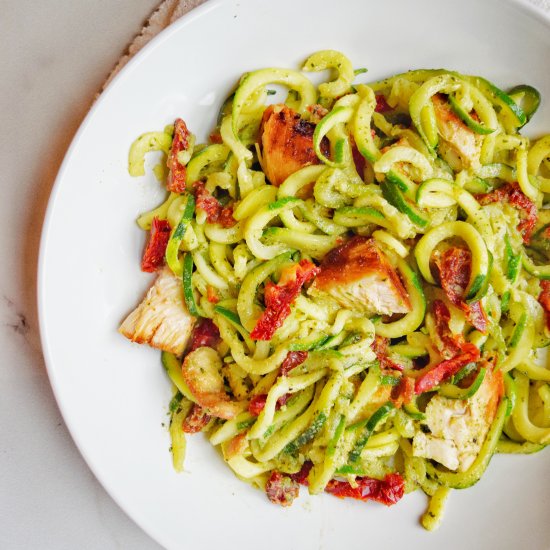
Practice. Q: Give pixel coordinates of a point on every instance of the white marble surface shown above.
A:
(54, 57)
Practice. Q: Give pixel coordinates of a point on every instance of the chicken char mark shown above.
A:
(286, 141)
(359, 275)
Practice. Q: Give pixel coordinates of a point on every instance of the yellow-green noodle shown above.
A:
(408, 178)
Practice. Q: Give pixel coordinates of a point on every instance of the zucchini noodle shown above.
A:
(369, 261)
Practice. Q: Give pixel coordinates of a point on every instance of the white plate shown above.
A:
(114, 395)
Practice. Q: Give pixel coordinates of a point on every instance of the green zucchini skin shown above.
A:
(527, 97)
(172, 249)
(393, 194)
(467, 119)
(367, 428)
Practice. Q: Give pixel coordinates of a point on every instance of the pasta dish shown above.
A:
(352, 281)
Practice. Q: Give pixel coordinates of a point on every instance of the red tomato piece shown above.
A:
(477, 316)
(281, 489)
(387, 491)
(177, 177)
(278, 297)
(450, 343)
(197, 420)
(544, 300)
(153, 255)
(215, 212)
(512, 193)
(380, 348)
(468, 354)
(216, 137)
(257, 403)
(403, 392)
(301, 477)
(226, 218)
(205, 333)
(381, 104)
(458, 352)
(270, 320)
(292, 360)
(455, 266)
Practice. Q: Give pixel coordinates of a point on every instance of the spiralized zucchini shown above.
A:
(432, 168)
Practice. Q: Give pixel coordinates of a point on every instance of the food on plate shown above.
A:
(352, 282)
(161, 319)
(286, 143)
(358, 275)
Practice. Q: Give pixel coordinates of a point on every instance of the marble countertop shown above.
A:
(53, 64)
(55, 57)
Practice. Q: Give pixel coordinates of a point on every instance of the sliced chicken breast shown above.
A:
(359, 276)
(161, 320)
(458, 427)
(465, 143)
(202, 371)
(287, 143)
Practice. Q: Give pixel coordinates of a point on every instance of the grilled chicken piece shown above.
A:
(359, 276)
(201, 371)
(161, 320)
(459, 427)
(286, 141)
(460, 140)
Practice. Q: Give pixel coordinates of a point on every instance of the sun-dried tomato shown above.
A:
(387, 491)
(512, 193)
(226, 218)
(215, 212)
(477, 316)
(301, 477)
(196, 420)
(544, 300)
(270, 320)
(153, 255)
(455, 266)
(451, 344)
(278, 297)
(468, 354)
(206, 202)
(257, 403)
(281, 489)
(216, 137)
(454, 348)
(205, 333)
(292, 360)
(381, 104)
(380, 348)
(403, 392)
(177, 177)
